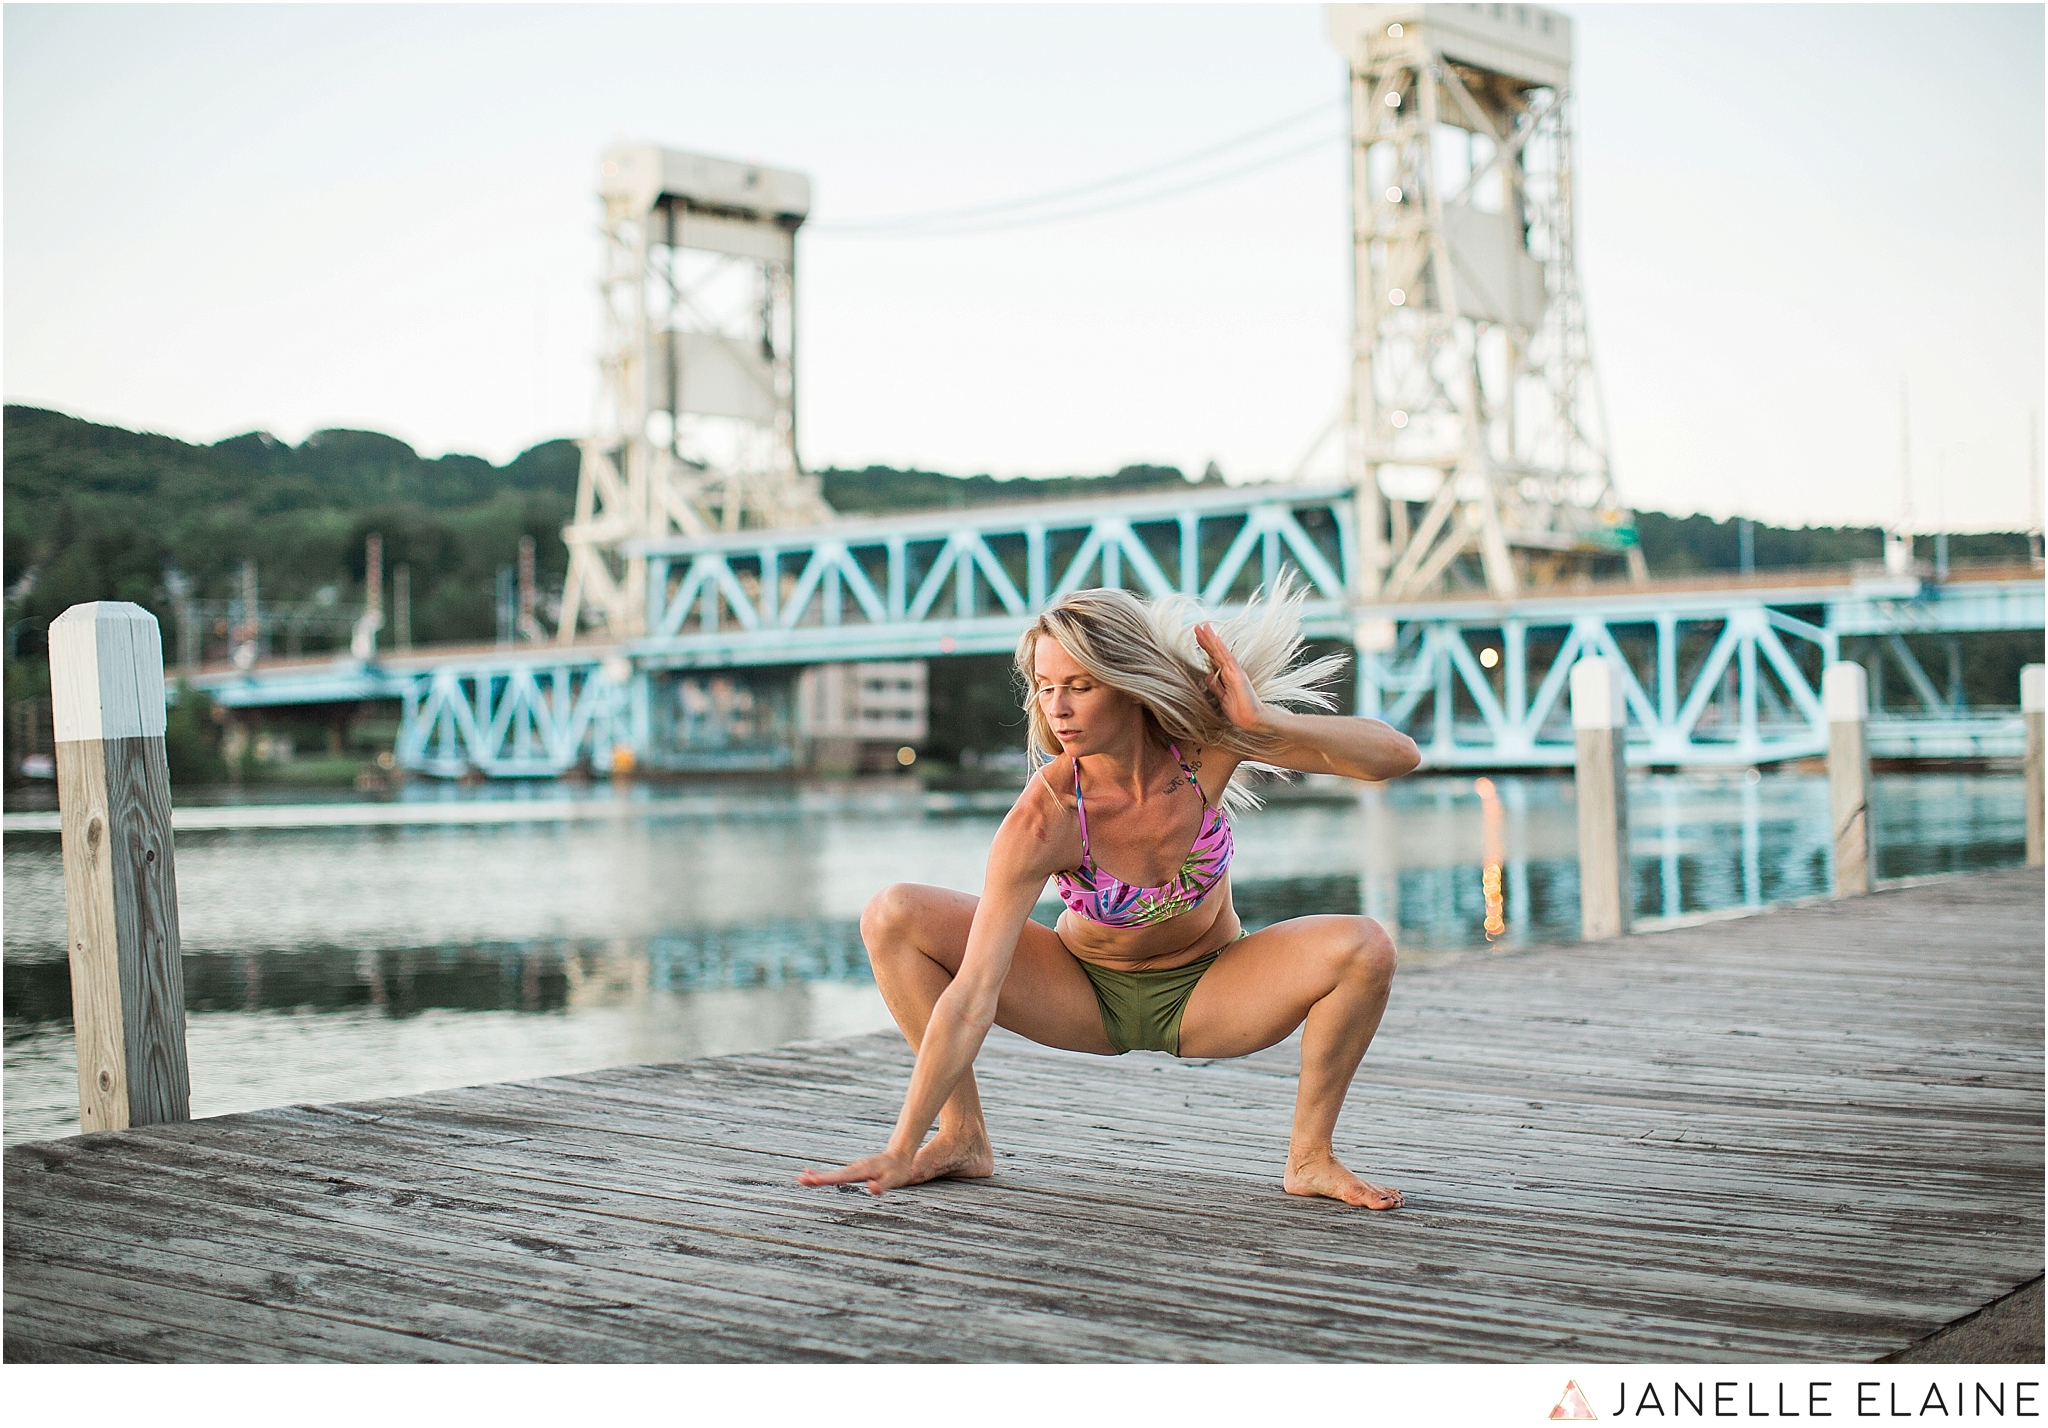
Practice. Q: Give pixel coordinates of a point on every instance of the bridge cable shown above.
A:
(948, 220)
(1113, 205)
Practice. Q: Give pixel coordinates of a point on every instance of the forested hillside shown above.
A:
(96, 512)
(1676, 545)
(876, 490)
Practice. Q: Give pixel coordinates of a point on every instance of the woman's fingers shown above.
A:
(1228, 681)
(1222, 663)
(1219, 653)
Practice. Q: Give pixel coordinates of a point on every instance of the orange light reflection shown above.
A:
(1495, 855)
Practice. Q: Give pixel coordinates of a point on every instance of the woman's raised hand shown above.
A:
(882, 1172)
(1228, 681)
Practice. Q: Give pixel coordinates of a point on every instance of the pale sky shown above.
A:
(222, 218)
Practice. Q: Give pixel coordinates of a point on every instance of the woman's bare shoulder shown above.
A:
(1041, 823)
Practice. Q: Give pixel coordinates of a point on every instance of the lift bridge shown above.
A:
(1722, 671)
(1475, 462)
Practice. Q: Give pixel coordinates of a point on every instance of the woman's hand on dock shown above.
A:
(882, 1172)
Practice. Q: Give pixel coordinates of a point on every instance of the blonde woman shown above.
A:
(1137, 724)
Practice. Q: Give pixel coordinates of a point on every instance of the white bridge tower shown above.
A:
(1476, 440)
(696, 424)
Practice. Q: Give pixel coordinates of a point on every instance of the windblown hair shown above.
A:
(1147, 649)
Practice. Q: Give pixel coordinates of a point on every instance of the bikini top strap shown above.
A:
(1193, 782)
(1080, 810)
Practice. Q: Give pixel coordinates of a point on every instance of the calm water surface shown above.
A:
(334, 964)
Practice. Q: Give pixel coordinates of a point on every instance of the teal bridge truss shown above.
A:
(1722, 673)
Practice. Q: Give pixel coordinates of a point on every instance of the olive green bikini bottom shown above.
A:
(1141, 1011)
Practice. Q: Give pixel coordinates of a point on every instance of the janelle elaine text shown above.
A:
(1829, 1398)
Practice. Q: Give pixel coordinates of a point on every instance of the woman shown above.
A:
(1137, 725)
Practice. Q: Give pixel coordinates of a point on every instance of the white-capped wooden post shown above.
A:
(1845, 696)
(120, 891)
(2033, 705)
(1600, 736)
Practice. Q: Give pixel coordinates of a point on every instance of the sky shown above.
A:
(228, 218)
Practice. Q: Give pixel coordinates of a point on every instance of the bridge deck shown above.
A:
(1809, 1135)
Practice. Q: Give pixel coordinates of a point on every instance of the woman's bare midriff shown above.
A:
(1212, 924)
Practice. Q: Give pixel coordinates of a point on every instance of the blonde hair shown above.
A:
(1147, 649)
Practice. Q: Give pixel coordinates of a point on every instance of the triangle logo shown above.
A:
(1573, 1404)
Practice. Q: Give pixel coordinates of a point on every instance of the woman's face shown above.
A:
(1085, 715)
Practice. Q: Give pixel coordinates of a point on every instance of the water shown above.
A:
(343, 963)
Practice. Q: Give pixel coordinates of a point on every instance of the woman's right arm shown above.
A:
(965, 1010)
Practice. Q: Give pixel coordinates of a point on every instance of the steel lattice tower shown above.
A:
(696, 424)
(1476, 440)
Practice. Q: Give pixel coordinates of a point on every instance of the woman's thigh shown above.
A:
(1046, 996)
(1262, 986)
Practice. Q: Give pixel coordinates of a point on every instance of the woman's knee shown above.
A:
(887, 915)
(1366, 952)
(910, 918)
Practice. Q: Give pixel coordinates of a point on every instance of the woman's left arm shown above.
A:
(1308, 743)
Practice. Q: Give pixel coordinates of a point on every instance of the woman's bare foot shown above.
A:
(1325, 1175)
(954, 1155)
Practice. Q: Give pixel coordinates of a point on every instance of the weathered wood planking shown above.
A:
(1810, 1135)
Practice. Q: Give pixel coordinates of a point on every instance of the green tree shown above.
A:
(192, 739)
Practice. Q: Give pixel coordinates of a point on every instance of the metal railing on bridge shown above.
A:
(1712, 677)
(968, 581)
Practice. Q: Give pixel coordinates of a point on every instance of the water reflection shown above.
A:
(1494, 854)
(1452, 865)
(521, 977)
(350, 962)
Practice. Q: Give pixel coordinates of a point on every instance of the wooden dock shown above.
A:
(1811, 1135)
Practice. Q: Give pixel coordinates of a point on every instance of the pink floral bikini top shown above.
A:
(1100, 897)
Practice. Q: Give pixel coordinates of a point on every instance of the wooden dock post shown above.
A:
(2033, 706)
(1845, 696)
(1599, 730)
(120, 889)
